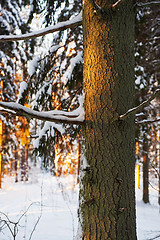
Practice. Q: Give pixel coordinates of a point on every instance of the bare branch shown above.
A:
(97, 8)
(148, 121)
(135, 109)
(58, 27)
(100, 10)
(75, 117)
(116, 4)
(148, 4)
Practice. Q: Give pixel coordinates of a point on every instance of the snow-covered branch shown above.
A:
(58, 27)
(145, 121)
(135, 109)
(148, 4)
(74, 117)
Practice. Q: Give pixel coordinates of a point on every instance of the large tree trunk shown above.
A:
(107, 196)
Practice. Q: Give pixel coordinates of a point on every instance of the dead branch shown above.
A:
(148, 4)
(148, 121)
(135, 109)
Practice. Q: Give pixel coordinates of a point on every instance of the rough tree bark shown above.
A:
(107, 197)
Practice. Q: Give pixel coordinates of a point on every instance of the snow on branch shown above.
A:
(145, 121)
(74, 117)
(135, 109)
(58, 27)
(148, 4)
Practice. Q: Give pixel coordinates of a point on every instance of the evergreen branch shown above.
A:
(57, 116)
(58, 27)
(148, 4)
(135, 109)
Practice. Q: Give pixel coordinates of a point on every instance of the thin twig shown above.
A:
(96, 7)
(154, 238)
(34, 228)
(147, 121)
(148, 4)
(153, 187)
(7, 222)
(135, 109)
(63, 195)
(116, 4)
(155, 170)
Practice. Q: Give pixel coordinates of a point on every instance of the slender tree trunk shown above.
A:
(0, 169)
(79, 157)
(15, 164)
(145, 169)
(107, 195)
(158, 153)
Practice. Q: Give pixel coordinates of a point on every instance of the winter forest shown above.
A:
(79, 120)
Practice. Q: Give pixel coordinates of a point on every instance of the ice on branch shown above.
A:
(74, 117)
(58, 27)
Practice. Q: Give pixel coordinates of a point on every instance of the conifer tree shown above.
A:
(147, 81)
(13, 69)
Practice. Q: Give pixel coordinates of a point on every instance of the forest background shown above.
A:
(47, 74)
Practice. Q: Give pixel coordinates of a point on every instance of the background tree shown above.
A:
(147, 80)
(13, 70)
(56, 79)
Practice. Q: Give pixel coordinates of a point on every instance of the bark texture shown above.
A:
(107, 197)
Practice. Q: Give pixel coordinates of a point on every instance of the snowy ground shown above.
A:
(52, 212)
(148, 216)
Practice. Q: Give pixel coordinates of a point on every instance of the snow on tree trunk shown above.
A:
(107, 197)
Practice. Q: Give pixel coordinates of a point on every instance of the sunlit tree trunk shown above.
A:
(107, 197)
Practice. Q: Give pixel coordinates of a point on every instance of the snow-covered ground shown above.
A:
(148, 215)
(46, 208)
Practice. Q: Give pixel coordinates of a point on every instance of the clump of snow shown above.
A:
(23, 87)
(54, 48)
(32, 65)
(43, 132)
(75, 60)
